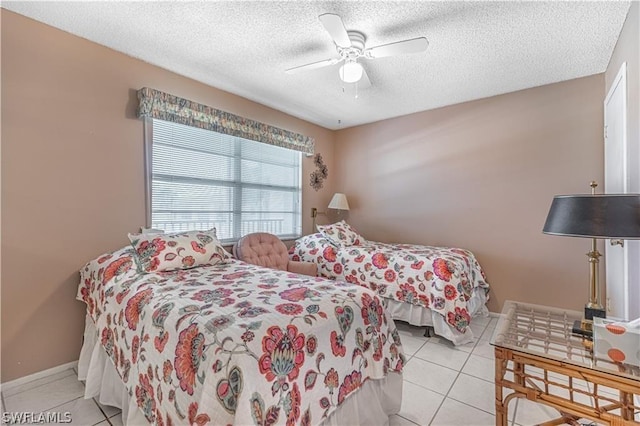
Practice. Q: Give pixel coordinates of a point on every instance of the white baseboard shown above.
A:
(494, 314)
(39, 375)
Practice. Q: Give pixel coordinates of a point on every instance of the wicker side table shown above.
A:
(538, 358)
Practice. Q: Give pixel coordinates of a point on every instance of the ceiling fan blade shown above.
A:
(364, 82)
(312, 66)
(334, 26)
(414, 45)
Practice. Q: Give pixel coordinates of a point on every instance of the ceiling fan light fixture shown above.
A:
(351, 72)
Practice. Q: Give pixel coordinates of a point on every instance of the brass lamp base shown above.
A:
(594, 311)
(584, 329)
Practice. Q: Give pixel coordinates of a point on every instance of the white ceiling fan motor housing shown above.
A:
(356, 50)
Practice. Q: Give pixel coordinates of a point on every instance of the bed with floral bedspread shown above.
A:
(234, 343)
(447, 281)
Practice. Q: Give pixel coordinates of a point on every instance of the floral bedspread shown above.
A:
(236, 343)
(440, 278)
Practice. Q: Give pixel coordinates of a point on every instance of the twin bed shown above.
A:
(439, 287)
(223, 342)
(178, 332)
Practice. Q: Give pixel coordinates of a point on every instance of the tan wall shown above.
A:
(628, 50)
(481, 175)
(72, 176)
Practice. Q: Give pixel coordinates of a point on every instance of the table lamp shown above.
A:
(611, 216)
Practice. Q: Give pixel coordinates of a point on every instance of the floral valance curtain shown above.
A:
(163, 106)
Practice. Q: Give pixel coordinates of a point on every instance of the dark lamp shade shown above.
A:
(595, 216)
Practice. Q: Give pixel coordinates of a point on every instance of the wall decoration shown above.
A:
(316, 180)
(320, 174)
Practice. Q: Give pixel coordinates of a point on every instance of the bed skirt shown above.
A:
(371, 405)
(420, 316)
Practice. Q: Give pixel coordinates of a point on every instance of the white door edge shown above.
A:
(621, 82)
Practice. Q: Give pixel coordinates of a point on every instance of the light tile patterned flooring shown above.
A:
(453, 385)
(443, 385)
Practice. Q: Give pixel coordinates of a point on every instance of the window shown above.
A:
(203, 179)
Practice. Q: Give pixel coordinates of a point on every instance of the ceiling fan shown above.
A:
(350, 45)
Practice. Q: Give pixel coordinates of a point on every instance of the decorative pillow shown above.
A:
(341, 233)
(144, 230)
(161, 231)
(151, 231)
(184, 250)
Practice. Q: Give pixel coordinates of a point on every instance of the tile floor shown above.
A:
(61, 392)
(443, 385)
(453, 385)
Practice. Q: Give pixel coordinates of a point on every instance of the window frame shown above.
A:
(236, 185)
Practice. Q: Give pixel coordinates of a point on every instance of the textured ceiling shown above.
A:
(476, 49)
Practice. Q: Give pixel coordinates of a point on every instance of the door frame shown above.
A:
(620, 80)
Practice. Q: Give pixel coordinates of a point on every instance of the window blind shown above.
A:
(203, 179)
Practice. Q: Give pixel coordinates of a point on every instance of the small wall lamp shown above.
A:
(338, 202)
